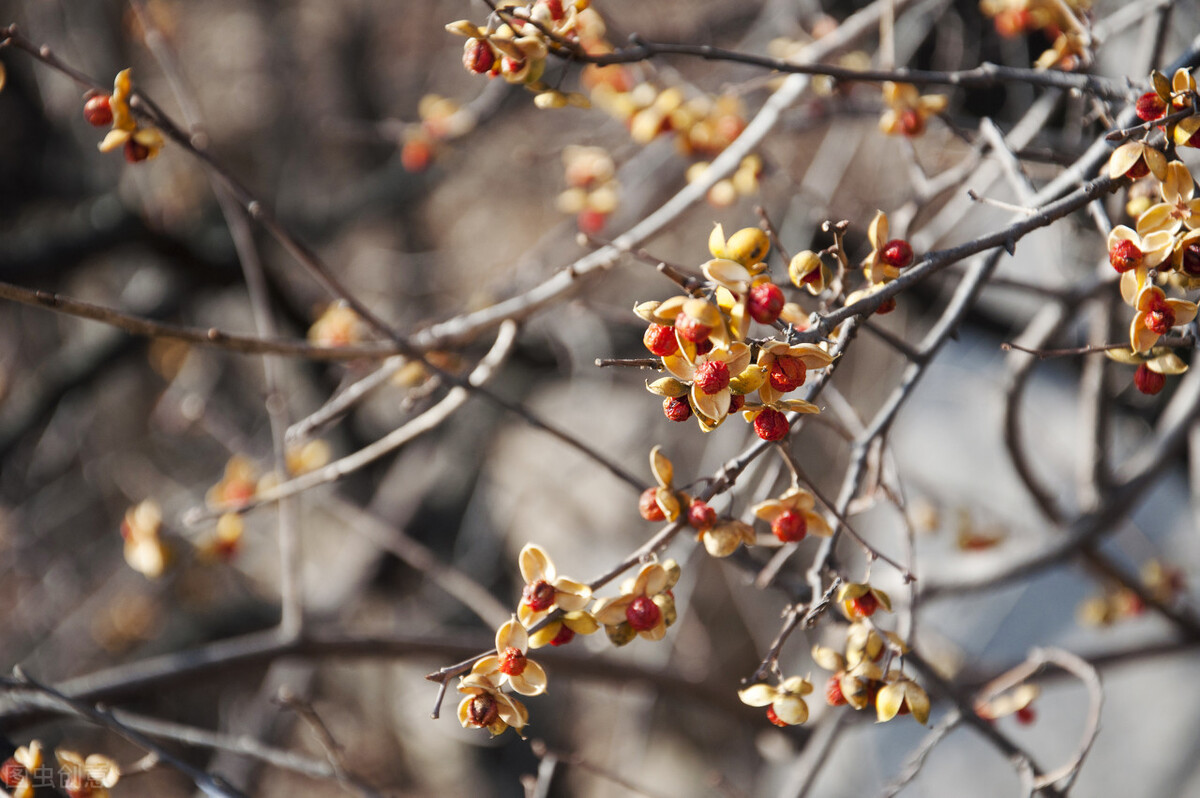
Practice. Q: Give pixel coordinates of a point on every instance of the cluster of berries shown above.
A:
(1063, 22)
(552, 611)
(150, 553)
(701, 337)
(858, 678)
(25, 772)
(714, 372)
(1163, 248)
(517, 39)
(139, 143)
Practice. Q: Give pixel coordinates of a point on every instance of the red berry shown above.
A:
(590, 221)
(886, 306)
(565, 635)
(482, 711)
(897, 253)
(691, 329)
(538, 595)
(11, 772)
(790, 526)
(1191, 259)
(704, 347)
(911, 123)
(1013, 22)
(555, 7)
(1138, 170)
(135, 152)
(765, 302)
(787, 373)
(712, 376)
(736, 402)
(1194, 141)
(771, 716)
(1147, 381)
(643, 614)
(478, 56)
(770, 424)
(833, 692)
(1160, 319)
(660, 340)
(865, 605)
(97, 111)
(1150, 107)
(512, 661)
(1125, 255)
(811, 277)
(416, 155)
(677, 408)
(648, 505)
(1026, 715)
(701, 515)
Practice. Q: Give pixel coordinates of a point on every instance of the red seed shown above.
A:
(513, 661)
(771, 716)
(712, 376)
(643, 614)
(677, 408)
(591, 222)
(539, 595)
(416, 155)
(701, 516)
(478, 56)
(770, 424)
(1147, 381)
(1125, 255)
(691, 329)
(1138, 170)
(787, 373)
(565, 635)
(1150, 107)
(1160, 319)
(482, 711)
(648, 505)
(790, 526)
(1191, 259)
(135, 152)
(897, 253)
(765, 302)
(833, 692)
(97, 111)
(865, 605)
(660, 340)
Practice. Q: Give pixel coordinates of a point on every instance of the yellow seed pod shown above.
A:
(747, 246)
(550, 99)
(660, 466)
(673, 571)
(668, 100)
(802, 265)
(702, 311)
(666, 604)
(722, 194)
(645, 310)
(620, 634)
(667, 386)
(749, 381)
